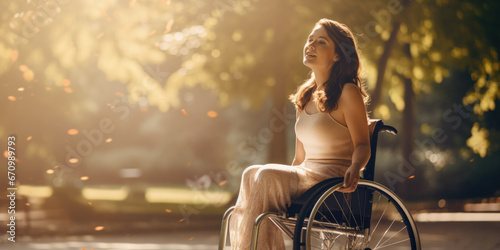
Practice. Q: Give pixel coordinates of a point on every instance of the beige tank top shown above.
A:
(323, 137)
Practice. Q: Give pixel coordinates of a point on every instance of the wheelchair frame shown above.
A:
(317, 194)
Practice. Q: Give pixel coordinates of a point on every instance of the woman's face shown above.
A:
(319, 50)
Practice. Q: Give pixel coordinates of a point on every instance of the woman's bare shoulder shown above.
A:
(350, 86)
(350, 93)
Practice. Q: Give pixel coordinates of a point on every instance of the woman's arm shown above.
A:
(300, 153)
(354, 111)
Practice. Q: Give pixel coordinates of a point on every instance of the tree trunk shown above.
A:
(278, 145)
(407, 128)
(376, 96)
(382, 65)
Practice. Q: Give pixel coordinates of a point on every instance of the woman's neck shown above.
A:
(320, 76)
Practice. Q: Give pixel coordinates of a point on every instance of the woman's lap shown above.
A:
(297, 179)
(271, 187)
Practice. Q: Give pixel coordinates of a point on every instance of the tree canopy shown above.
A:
(431, 64)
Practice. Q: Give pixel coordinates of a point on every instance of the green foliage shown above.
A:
(68, 57)
(52, 42)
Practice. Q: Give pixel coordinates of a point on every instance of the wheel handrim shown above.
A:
(346, 230)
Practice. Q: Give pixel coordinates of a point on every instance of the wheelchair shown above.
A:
(371, 217)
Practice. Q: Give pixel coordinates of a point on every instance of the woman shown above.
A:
(332, 136)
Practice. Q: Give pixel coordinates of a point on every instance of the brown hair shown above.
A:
(346, 70)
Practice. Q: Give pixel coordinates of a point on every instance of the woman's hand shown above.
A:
(351, 180)
(351, 101)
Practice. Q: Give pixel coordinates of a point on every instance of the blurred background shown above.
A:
(137, 117)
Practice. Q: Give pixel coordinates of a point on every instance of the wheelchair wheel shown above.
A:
(372, 217)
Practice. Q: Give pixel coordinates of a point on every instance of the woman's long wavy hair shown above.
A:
(346, 70)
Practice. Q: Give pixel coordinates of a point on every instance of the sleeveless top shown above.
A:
(324, 138)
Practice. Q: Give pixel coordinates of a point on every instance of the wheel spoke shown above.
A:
(359, 224)
(326, 219)
(378, 222)
(392, 244)
(362, 215)
(370, 232)
(392, 236)
(329, 210)
(350, 210)
(387, 229)
(340, 206)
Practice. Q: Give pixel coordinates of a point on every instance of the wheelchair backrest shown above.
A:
(375, 126)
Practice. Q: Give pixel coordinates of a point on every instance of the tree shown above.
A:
(427, 31)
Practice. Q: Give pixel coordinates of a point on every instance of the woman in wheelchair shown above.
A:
(332, 130)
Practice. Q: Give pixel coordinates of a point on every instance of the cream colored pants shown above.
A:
(270, 188)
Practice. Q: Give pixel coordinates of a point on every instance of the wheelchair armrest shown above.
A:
(388, 129)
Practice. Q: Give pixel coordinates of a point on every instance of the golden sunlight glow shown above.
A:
(438, 75)
(73, 131)
(73, 160)
(435, 56)
(237, 36)
(435, 217)
(14, 55)
(212, 114)
(482, 207)
(105, 193)
(425, 129)
(28, 74)
(35, 191)
(418, 73)
(66, 82)
(479, 140)
(215, 53)
(384, 112)
(269, 35)
(224, 76)
(270, 81)
(442, 203)
(396, 94)
(186, 196)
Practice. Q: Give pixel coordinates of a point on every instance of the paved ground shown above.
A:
(442, 235)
